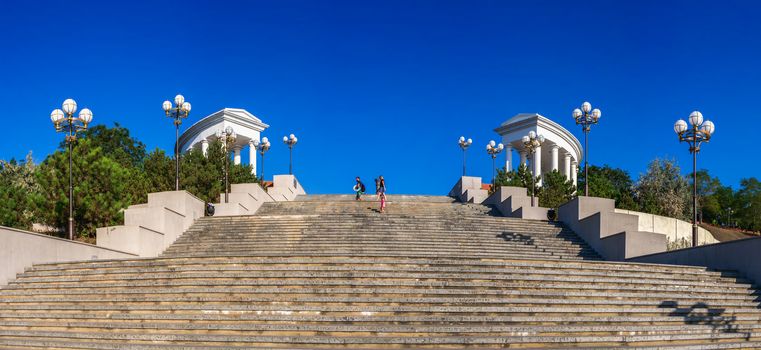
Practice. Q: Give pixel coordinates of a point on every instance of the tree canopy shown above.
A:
(111, 171)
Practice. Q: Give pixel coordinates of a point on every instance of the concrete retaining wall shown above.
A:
(22, 249)
(675, 230)
(741, 255)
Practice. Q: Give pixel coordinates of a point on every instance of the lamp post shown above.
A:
(586, 117)
(464, 144)
(290, 141)
(700, 132)
(493, 149)
(531, 142)
(178, 112)
(64, 121)
(262, 148)
(227, 137)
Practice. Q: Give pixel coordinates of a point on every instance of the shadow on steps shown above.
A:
(701, 313)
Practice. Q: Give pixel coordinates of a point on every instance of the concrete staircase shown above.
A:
(329, 272)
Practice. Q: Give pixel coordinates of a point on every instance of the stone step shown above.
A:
(281, 329)
(612, 267)
(235, 267)
(477, 285)
(386, 275)
(422, 339)
(26, 343)
(221, 317)
(442, 248)
(391, 309)
(673, 296)
(337, 301)
(375, 252)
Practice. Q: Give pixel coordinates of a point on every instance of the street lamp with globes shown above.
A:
(262, 147)
(178, 112)
(227, 137)
(531, 142)
(493, 149)
(464, 144)
(290, 141)
(586, 117)
(699, 132)
(64, 121)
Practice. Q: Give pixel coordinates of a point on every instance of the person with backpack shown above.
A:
(360, 189)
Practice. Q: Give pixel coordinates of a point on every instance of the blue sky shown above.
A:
(387, 87)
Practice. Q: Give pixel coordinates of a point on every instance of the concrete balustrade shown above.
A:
(615, 236)
(151, 227)
(285, 188)
(515, 202)
(675, 230)
(21, 249)
(469, 190)
(243, 199)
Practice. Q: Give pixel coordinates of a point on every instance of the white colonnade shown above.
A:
(558, 143)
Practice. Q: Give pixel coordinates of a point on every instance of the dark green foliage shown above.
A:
(102, 188)
(115, 143)
(555, 190)
(748, 211)
(159, 171)
(16, 182)
(519, 178)
(613, 183)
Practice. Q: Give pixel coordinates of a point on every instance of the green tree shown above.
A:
(555, 190)
(16, 182)
(661, 190)
(519, 178)
(613, 183)
(102, 188)
(115, 143)
(203, 176)
(749, 200)
(727, 201)
(159, 171)
(709, 208)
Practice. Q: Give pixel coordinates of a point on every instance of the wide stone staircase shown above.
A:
(330, 272)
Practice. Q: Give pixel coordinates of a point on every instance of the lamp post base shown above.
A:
(71, 228)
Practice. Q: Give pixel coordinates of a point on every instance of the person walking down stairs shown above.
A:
(381, 192)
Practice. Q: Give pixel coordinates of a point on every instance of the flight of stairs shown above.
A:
(330, 272)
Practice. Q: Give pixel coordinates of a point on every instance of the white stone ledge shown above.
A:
(21, 249)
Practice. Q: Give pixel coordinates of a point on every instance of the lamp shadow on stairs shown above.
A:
(701, 313)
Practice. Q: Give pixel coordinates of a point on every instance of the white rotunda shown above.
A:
(560, 151)
(247, 127)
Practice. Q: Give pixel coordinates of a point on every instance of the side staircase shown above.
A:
(330, 272)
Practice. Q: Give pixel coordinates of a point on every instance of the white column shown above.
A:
(523, 157)
(538, 165)
(555, 160)
(252, 156)
(509, 156)
(574, 172)
(204, 146)
(236, 159)
(567, 164)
